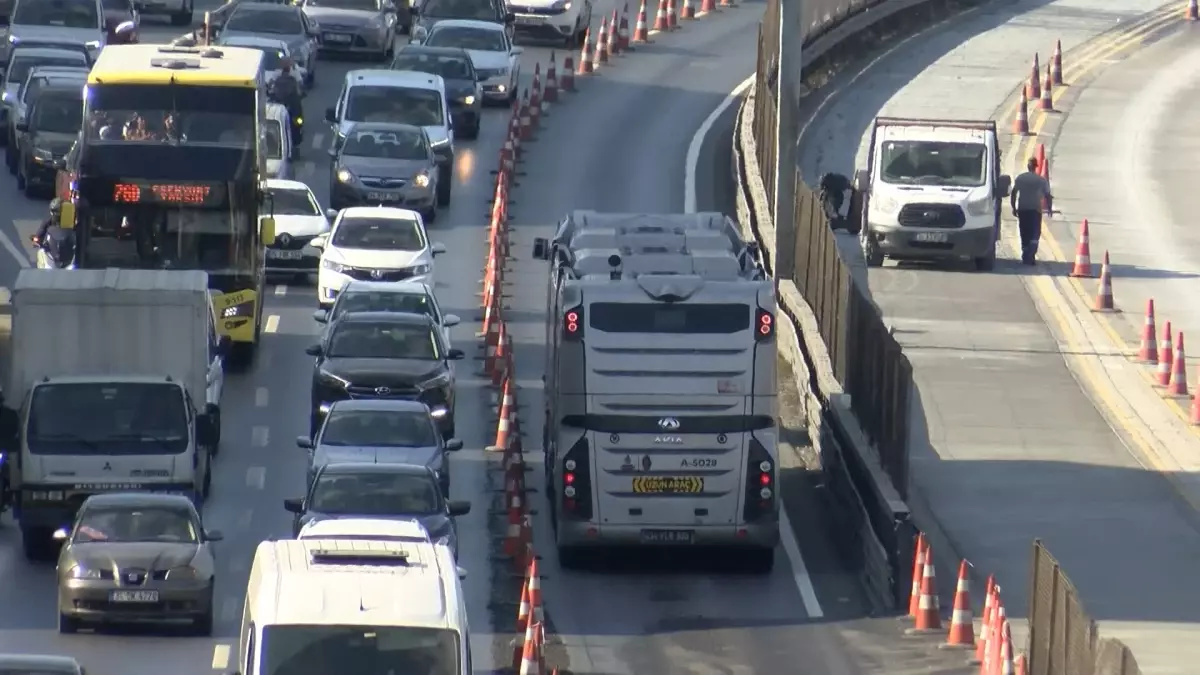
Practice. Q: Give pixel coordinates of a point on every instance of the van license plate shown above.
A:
(932, 237)
(133, 596)
(667, 536)
(276, 254)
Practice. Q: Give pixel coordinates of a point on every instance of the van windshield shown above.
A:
(110, 418)
(933, 163)
(335, 650)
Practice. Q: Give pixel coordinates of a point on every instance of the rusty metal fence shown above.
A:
(1063, 639)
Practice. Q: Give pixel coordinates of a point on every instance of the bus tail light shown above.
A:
(577, 482)
(572, 324)
(764, 325)
(761, 490)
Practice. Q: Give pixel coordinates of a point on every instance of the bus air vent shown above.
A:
(175, 64)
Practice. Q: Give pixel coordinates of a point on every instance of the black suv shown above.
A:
(384, 355)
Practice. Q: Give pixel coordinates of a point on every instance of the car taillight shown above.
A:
(572, 324)
(764, 325)
(577, 482)
(760, 482)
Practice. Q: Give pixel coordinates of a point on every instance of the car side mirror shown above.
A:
(451, 320)
(862, 180)
(1003, 186)
(318, 242)
(332, 152)
(124, 27)
(304, 442)
(61, 534)
(213, 535)
(294, 506)
(331, 115)
(321, 316)
(517, 51)
(437, 248)
(22, 126)
(314, 350)
(455, 355)
(331, 213)
(462, 573)
(454, 445)
(459, 508)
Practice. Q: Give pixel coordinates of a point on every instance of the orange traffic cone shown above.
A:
(522, 620)
(1006, 650)
(1021, 121)
(1178, 384)
(535, 592)
(928, 616)
(1056, 73)
(1104, 296)
(1193, 11)
(1047, 100)
(1020, 667)
(551, 93)
(502, 424)
(512, 533)
(585, 56)
(660, 17)
(526, 118)
(535, 98)
(1148, 349)
(962, 623)
(641, 32)
(991, 663)
(614, 39)
(1083, 253)
(672, 16)
(623, 29)
(914, 596)
(1166, 356)
(727, 3)
(989, 607)
(529, 660)
(706, 7)
(688, 11)
(1035, 82)
(600, 54)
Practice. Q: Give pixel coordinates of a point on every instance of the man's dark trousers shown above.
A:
(1029, 222)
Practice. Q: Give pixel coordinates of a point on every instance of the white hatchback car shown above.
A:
(374, 243)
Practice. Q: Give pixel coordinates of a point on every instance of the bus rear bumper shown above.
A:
(759, 534)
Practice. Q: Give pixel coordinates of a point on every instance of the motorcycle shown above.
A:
(295, 112)
(56, 250)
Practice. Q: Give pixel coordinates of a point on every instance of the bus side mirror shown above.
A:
(66, 216)
(266, 229)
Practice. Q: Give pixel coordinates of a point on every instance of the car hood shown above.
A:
(57, 143)
(437, 524)
(489, 60)
(382, 372)
(80, 36)
(331, 454)
(148, 556)
(383, 168)
(301, 226)
(373, 259)
(336, 16)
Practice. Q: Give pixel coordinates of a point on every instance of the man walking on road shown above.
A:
(1030, 194)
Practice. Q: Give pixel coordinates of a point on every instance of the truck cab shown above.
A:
(932, 190)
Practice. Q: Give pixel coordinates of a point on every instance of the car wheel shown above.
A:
(67, 624)
(10, 158)
(445, 185)
(870, 250)
(184, 16)
(22, 184)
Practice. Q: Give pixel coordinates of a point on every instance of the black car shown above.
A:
(362, 490)
(462, 83)
(430, 12)
(45, 135)
(383, 355)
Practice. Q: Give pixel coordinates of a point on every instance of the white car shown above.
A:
(497, 61)
(374, 243)
(563, 20)
(298, 220)
(414, 297)
(274, 52)
(73, 22)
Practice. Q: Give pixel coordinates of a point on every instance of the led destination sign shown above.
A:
(169, 194)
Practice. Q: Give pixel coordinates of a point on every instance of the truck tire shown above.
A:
(38, 544)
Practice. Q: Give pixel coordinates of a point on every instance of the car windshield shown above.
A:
(135, 524)
(379, 234)
(933, 163)
(371, 340)
(359, 5)
(400, 105)
(480, 10)
(480, 39)
(59, 13)
(258, 21)
(449, 67)
(375, 494)
(383, 301)
(387, 145)
(293, 202)
(378, 650)
(273, 138)
(107, 418)
(59, 113)
(19, 67)
(379, 428)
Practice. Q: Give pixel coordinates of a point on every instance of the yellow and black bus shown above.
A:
(169, 173)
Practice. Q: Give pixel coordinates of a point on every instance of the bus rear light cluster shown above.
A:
(764, 325)
(760, 482)
(577, 482)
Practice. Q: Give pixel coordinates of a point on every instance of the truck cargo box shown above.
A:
(110, 322)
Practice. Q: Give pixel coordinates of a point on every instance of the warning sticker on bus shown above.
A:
(668, 485)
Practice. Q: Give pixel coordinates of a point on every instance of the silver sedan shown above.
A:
(355, 26)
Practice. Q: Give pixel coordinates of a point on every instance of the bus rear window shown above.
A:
(627, 317)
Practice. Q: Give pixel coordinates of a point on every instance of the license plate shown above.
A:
(932, 237)
(337, 37)
(668, 485)
(133, 596)
(528, 20)
(667, 536)
(382, 197)
(283, 255)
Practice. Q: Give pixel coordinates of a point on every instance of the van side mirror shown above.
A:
(22, 126)
(541, 248)
(862, 180)
(454, 445)
(314, 350)
(451, 320)
(294, 506)
(304, 442)
(459, 508)
(207, 431)
(455, 355)
(1003, 186)
(321, 316)
(331, 115)
(213, 535)
(510, 18)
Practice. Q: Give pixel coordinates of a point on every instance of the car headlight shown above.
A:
(81, 572)
(344, 176)
(13, 39)
(421, 270)
(94, 44)
(182, 574)
(332, 265)
(422, 180)
(440, 143)
(980, 207)
(435, 382)
(469, 100)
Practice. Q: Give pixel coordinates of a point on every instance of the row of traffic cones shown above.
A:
(1169, 359)
(1039, 90)
(614, 38)
(993, 650)
(529, 650)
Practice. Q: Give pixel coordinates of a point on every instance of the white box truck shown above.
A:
(115, 385)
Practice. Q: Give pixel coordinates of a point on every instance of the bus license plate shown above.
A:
(277, 254)
(133, 596)
(668, 485)
(667, 536)
(932, 237)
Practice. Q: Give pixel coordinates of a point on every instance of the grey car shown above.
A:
(136, 557)
(355, 26)
(281, 22)
(39, 78)
(380, 431)
(386, 164)
(23, 59)
(462, 83)
(45, 136)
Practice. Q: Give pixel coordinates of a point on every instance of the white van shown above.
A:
(277, 141)
(338, 605)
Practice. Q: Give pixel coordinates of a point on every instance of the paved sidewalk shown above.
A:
(1011, 448)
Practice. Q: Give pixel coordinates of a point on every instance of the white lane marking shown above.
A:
(800, 576)
(272, 324)
(697, 142)
(17, 252)
(261, 396)
(281, 290)
(220, 659)
(256, 477)
(260, 436)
